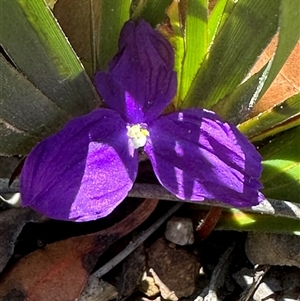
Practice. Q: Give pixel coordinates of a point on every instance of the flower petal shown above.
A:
(83, 172)
(141, 81)
(196, 155)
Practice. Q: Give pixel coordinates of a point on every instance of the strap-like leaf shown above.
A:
(281, 162)
(32, 38)
(26, 114)
(245, 221)
(176, 38)
(240, 41)
(195, 40)
(110, 17)
(236, 106)
(153, 11)
(217, 17)
(265, 124)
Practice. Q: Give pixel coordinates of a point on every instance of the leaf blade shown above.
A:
(21, 127)
(46, 59)
(153, 11)
(215, 20)
(228, 63)
(236, 106)
(241, 221)
(113, 15)
(196, 42)
(269, 119)
(281, 163)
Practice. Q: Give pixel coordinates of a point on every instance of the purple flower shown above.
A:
(86, 170)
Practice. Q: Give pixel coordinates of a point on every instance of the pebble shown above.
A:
(180, 231)
(98, 290)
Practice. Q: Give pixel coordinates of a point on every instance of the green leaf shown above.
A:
(241, 221)
(289, 124)
(216, 19)
(176, 38)
(263, 125)
(113, 15)
(33, 40)
(153, 11)
(26, 114)
(236, 106)
(289, 33)
(281, 163)
(241, 40)
(50, 3)
(195, 42)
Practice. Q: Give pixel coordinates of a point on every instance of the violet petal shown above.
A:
(140, 82)
(83, 172)
(196, 155)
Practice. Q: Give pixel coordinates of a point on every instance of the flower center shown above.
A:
(137, 134)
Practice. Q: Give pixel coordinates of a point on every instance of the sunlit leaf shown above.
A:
(236, 106)
(242, 221)
(216, 18)
(21, 127)
(51, 3)
(263, 125)
(33, 40)
(234, 51)
(281, 163)
(195, 42)
(290, 123)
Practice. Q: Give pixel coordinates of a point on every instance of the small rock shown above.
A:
(176, 268)
(273, 249)
(180, 231)
(264, 292)
(290, 295)
(244, 277)
(165, 292)
(280, 283)
(148, 286)
(98, 290)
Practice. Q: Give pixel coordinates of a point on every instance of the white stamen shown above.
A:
(138, 135)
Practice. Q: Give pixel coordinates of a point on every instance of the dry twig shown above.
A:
(260, 272)
(137, 242)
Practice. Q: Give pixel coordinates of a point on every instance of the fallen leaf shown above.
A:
(60, 271)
